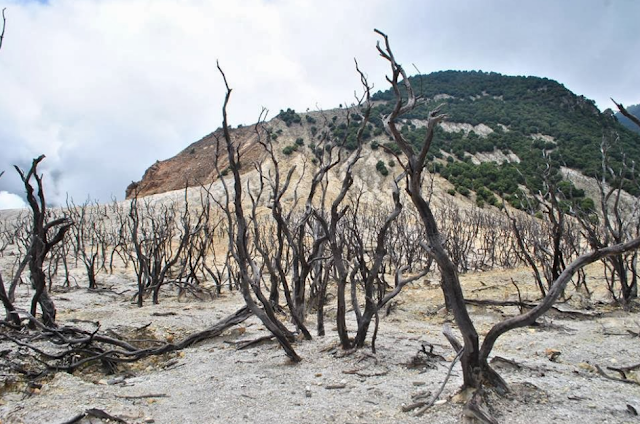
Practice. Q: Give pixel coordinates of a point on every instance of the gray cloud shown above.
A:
(106, 87)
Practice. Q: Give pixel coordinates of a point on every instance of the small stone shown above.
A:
(115, 380)
(102, 382)
(149, 420)
(318, 374)
(419, 383)
(586, 366)
(552, 354)
(335, 386)
(307, 391)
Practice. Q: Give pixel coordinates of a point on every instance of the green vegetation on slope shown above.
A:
(516, 108)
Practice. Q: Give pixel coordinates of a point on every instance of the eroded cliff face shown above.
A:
(194, 165)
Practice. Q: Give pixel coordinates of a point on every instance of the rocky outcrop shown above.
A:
(194, 165)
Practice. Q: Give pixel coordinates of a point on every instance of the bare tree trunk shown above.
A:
(40, 244)
(414, 166)
(10, 310)
(249, 271)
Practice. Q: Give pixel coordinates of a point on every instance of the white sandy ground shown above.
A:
(215, 383)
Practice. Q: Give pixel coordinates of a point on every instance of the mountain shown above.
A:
(502, 133)
(635, 111)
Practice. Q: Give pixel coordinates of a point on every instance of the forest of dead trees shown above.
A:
(296, 239)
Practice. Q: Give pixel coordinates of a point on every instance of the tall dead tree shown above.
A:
(474, 359)
(249, 271)
(413, 163)
(41, 241)
(289, 237)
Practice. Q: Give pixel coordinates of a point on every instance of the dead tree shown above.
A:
(22, 241)
(86, 231)
(369, 268)
(154, 229)
(193, 262)
(249, 275)
(414, 164)
(10, 310)
(475, 368)
(548, 245)
(41, 242)
(119, 238)
(460, 230)
(619, 221)
(289, 236)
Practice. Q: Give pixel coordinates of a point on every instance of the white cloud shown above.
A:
(11, 201)
(106, 87)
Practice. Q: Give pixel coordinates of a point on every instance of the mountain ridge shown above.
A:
(516, 123)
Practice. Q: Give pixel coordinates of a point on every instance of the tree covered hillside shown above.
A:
(538, 119)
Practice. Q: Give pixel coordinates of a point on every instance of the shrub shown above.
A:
(289, 117)
(300, 142)
(288, 150)
(393, 147)
(380, 166)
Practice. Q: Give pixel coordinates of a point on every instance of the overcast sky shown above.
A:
(104, 88)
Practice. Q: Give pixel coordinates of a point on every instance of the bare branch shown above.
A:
(626, 113)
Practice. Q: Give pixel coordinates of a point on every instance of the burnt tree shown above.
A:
(44, 236)
(474, 358)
